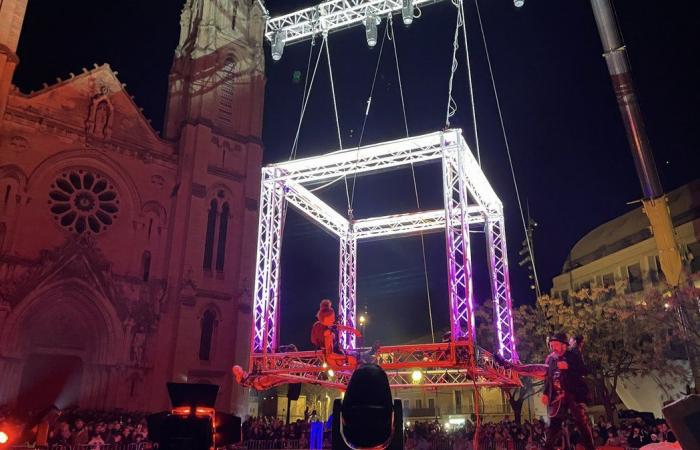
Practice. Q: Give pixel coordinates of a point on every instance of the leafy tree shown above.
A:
(625, 335)
(529, 349)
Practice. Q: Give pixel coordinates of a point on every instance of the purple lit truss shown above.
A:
(469, 201)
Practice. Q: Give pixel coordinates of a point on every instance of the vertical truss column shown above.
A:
(267, 266)
(347, 288)
(458, 249)
(500, 285)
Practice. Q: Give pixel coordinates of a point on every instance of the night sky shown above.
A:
(568, 144)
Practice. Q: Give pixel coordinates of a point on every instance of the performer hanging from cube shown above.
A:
(324, 336)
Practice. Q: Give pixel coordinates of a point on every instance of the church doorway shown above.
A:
(50, 379)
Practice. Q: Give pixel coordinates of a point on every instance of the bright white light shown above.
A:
(416, 376)
(456, 421)
(331, 373)
(371, 29)
(407, 12)
(518, 3)
(325, 365)
(362, 320)
(4, 437)
(278, 44)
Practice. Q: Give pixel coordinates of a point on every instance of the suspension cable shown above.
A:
(307, 95)
(451, 104)
(335, 110)
(469, 80)
(507, 145)
(369, 105)
(392, 38)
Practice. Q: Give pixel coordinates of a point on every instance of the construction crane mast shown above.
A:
(654, 201)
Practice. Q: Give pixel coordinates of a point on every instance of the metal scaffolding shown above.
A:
(468, 200)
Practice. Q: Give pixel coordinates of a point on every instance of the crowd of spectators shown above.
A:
(85, 428)
(129, 431)
(531, 435)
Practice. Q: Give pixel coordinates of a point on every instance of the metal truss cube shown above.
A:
(468, 200)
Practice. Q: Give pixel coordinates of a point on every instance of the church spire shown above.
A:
(218, 67)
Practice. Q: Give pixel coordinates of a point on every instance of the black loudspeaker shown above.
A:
(683, 416)
(293, 391)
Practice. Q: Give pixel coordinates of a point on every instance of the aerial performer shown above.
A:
(565, 391)
(324, 336)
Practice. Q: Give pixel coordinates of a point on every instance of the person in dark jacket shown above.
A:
(565, 391)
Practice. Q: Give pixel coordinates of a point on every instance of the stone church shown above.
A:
(127, 257)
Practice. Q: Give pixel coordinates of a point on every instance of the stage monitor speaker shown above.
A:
(683, 416)
(293, 391)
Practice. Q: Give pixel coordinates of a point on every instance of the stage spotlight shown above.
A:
(278, 40)
(416, 376)
(331, 373)
(4, 438)
(371, 22)
(407, 12)
(518, 3)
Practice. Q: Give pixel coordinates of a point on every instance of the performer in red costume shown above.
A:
(324, 336)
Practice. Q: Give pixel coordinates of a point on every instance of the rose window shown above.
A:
(83, 202)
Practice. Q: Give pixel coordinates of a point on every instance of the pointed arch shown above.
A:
(227, 92)
(207, 325)
(209, 238)
(223, 231)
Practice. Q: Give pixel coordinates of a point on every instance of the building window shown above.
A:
(694, 256)
(419, 404)
(226, 91)
(146, 265)
(406, 405)
(209, 239)
(609, 280)
(458, 399)
(431, 403)
(6, 200)
(634, 275)
(565, 296)
(223, 229)
(205, 340)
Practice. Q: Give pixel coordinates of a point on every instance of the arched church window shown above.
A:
(146, 265)
(6, 197)
(226, 91)
(209, 239)
(207, 334)
(223, 229)
(3, 231)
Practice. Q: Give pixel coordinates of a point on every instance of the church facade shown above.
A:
(127, 257)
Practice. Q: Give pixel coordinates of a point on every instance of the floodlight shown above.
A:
(407, 12)
(4, 437)
(278, 44)
(518, 3)
(371, 22)
(416, 376)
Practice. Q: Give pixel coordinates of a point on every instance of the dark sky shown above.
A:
(568, 144)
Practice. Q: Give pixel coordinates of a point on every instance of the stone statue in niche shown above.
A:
(101, 115)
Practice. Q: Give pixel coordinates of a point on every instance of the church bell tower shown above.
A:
(214, 116)
(11, 18)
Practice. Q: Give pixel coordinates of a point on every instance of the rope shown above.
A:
(451, 104)
(335, 110)
(507, 145)
(469, 80)
(392, 38)
(369, 104)
(307, 95)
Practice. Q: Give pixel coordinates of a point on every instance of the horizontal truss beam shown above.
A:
(330, 16)
(403, 224)
(438, 364)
